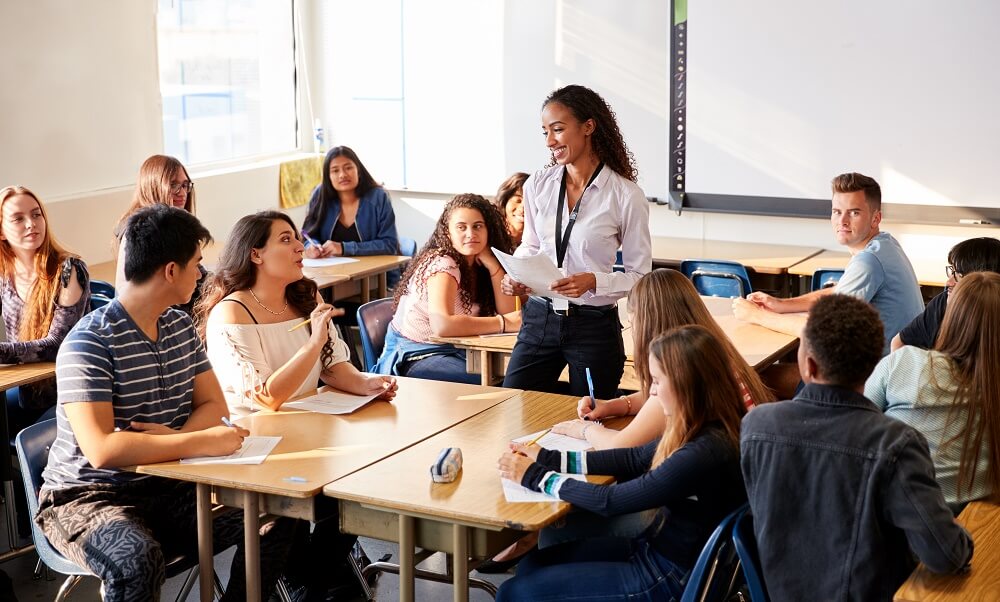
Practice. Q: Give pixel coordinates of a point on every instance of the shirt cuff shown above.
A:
(603, 284)
(533, 477)
(348, 248)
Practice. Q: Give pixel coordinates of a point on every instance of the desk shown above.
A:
(10, 377)
(319, 448)
(929, 272)
(761, 257)
(395, 499)
(759, 346)
(982, 582)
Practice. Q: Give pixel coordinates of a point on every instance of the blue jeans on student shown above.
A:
(547, 342)
(449, 368)
(609, 568)
(580, 524)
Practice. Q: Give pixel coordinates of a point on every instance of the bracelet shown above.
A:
(583, 433)
(494, 274)
(503, 324)
(628, 410)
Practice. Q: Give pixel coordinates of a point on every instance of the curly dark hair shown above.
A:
(236, 272)
(476, 286)
(607, 140)
(845, 337)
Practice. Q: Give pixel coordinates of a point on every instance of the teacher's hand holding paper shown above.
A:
(575, 285)
(511, 287)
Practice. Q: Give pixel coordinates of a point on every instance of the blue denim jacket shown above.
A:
(841, 495)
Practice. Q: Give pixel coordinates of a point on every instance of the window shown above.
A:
(227, 78)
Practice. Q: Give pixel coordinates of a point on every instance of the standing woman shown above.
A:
(510, 202)
(162, 180)
(578, 212)
(45, 291)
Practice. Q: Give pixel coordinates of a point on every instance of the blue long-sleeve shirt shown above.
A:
(375, 221)
(694, 488)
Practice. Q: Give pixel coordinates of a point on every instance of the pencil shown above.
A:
(299, 325)
(540, 435)
(517, 303)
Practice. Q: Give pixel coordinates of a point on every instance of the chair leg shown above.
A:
(71, 582)
(360, 576)
(188, 585)
(219, 590)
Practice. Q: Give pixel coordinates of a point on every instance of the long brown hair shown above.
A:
(152, 187)
(704, 388)
(665, 299)
(236, 272)
(39, 307)
(970, 337)
(476, 286)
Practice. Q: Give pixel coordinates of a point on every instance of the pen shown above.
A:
(310, 241)
(228, 422)
(590, 386)
(540, 435)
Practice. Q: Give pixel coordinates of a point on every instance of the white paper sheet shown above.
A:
(557, 442)
(515, 493)
(325, 262)
(536, 272)
(331, 402)
(253, 451)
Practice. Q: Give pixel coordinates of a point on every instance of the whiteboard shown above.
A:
(783, 95)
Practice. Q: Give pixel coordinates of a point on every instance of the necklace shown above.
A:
(266, 308)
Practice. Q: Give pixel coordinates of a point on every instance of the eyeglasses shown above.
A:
(185, 186)
(952, 272)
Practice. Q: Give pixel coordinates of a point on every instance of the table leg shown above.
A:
(366, 289)
(485, 368)
(383, 285)
(251, 544)
(406, 564)
(203, 501)
(460, 545)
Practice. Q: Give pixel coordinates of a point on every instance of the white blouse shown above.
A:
(245, 355)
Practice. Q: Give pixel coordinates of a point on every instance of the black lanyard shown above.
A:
(562, 241)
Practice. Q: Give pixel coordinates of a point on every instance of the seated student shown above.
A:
(44, 290)
(451, 288)
(162, 180)
(968, 256)
(841, 494)
(948, 392)
(248, 312)
(690, 475)
(510, 201)
(660, 300)
(251, 305)
(135, 387)
(878, 272)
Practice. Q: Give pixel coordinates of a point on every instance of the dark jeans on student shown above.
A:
(607, 568)
(587, 338)
(122, 533)
(450, 367)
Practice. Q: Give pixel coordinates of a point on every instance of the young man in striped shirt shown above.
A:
(135, 387)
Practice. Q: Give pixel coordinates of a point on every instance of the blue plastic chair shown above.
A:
(101, 293)
(407, 246)
(32, 446)
(746, 549)
(619, 264)
(373, 323)
(715, 570)
(825, 277)
(717, 278)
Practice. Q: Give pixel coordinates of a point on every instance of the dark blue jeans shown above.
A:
(547, 342)
(607, 568)
(450, 367)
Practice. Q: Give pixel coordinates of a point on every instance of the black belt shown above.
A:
(578, 310)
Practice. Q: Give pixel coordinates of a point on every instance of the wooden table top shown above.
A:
(762, 257)
(929, 272)
(22, 374)
(402, 482)
(759, 346)
(321, 448)
(982, 582)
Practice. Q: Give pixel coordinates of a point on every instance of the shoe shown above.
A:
(497, 567)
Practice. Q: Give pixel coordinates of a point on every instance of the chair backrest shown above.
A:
(373, 322)
(407, 246)
(714, 572)
(717, 278)
(746, 549)
(33, 445)
(619, 263)
(101, 293)
(825, 277)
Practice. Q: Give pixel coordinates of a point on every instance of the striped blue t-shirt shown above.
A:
(106, 357)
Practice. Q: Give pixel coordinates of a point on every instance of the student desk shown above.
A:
(360, 274)
(759, 346)
(929, 272)
(982, 582)
(10, 377)
(761, 257)
(395, 499)
(318, 448)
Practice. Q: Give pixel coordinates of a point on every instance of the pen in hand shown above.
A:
(590, 387)
(226, 421)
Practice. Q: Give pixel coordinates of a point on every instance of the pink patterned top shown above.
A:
(412, 318)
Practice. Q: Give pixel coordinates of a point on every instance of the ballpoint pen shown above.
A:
(228, 422)
(590, 386)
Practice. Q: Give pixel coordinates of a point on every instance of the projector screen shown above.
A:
(783, 95)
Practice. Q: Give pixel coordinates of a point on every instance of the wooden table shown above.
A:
(395, 499)
(929, 272)
(761, 257)
(318, 448)
(10, 377)
(982, 582)
(759, 346)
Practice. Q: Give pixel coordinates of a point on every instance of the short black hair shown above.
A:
(976, 255)
(157, 235)
(845, 337)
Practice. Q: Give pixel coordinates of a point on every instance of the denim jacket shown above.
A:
(841, 495)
